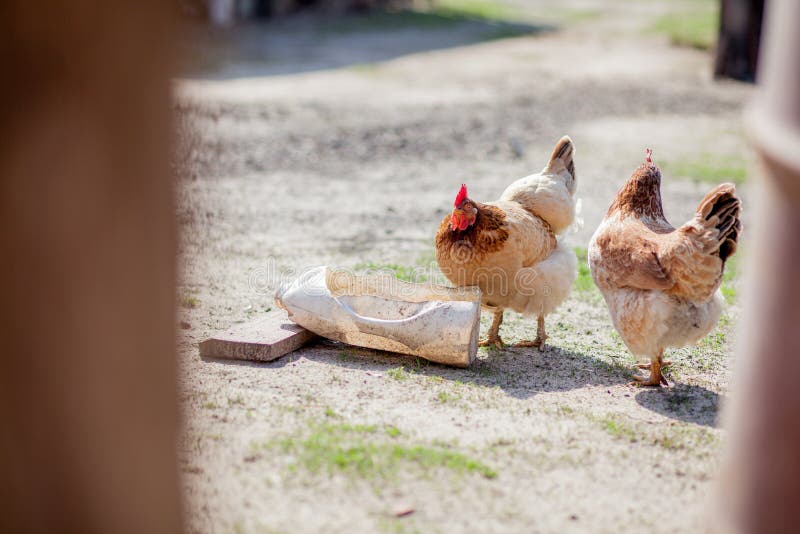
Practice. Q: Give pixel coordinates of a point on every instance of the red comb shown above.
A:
(649, 153)
(462, 195)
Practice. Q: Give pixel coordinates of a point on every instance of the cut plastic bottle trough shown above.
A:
(379, 311)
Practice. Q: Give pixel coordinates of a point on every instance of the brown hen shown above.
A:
(509, 248)
(661, 284)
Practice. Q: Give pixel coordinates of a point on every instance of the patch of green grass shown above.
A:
(619, 429)
(210, 405)
(420, 363)
(715, 340)
(189, 301)
(444, 397)
(709, 168)
(336, 379)
(396, 525)
(730, 293)
(694, 27)
(584, 283)
(671, 436)
(423, 269)
(565, 410)
(584, 280)
(402, 272)
(370, 451)
(392, 431)
(399, 374)
(679, 436)
(730, 279)
(709, 356)
(475, 9)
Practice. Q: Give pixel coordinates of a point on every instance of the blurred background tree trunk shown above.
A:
(739, 38)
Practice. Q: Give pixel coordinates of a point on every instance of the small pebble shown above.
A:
(403, 510)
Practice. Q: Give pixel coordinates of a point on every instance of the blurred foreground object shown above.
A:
(88, 381)
(761, 478)
(739, 38)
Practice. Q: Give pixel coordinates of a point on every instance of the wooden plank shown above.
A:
(263, 339)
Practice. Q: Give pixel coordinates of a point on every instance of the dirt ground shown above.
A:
(348, 151)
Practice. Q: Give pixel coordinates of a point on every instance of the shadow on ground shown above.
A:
(520, 373)
(692, 404)
(309, 42)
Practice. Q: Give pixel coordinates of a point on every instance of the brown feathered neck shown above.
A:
(487, 234)
(641, 194)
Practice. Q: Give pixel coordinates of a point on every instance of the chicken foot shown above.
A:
(541, 336)
(656, 379)
(493, 336)
(664, 363)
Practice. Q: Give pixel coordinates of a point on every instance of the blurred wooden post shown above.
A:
(761, 475)
(739, 37)
(87, 378)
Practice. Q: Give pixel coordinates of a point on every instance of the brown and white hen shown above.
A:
(661, 284)
(510, 247)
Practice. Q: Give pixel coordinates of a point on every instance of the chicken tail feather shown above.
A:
(720, 209)
(561, 161)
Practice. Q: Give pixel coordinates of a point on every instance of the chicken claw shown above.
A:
(645, 381)
(495, 342)
(656, 379)
(493, 336)
(538, 342)
(541, 337)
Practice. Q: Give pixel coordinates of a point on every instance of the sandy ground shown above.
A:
(352, 158)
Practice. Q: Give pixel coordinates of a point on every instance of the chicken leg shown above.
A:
(656, 379)
(493, 336)
(541, 336)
